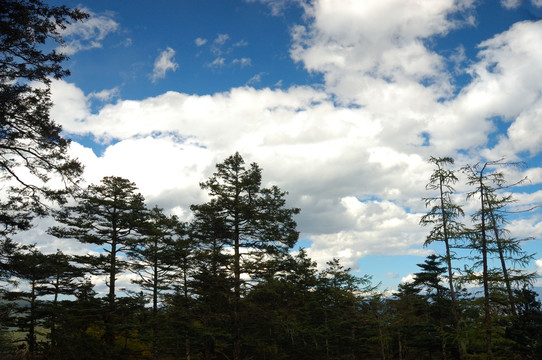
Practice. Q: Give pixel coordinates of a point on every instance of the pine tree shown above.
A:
(506, 248)
(340, 293)
(437, 298)
(153, 254)
(526, 329)
(64, 281)
(445, 218)
(414, 334)
(79, 329)
(281, 311)
(109, 215)
(32, 270)
(154, 259)
(254, 220)
(32, 147)
(488, 239)
(7, 249)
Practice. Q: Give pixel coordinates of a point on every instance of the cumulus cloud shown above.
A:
(505, 80)
(369, 227)
(507, 84)
(163, 63)
(71, 105)
(351, 44)
(88, 34)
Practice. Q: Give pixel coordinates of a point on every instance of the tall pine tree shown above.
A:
(109, 216)
(445, 218)
(254, 221)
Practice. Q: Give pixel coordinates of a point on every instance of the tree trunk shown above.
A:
(109, 331)
(450, 270)
(155, 300)
(501, 257)
(485, 279)
(55, 312)
(237, 294)
(32, 323)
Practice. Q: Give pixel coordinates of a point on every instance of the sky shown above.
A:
(341, 103)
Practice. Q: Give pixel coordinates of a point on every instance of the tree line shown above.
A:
(228, 284)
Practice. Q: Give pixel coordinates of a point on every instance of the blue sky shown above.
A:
(340, 102)
(200, 32)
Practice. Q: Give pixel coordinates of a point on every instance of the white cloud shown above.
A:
(200, 41)
(126, 42)
(222, 54)
(106, 94)
(352, 44)
(506, 79)
(217, 63)
(528, 227)
(163, 63)
(368, 227)
(524, 134)
(385, 67)
(71, 106)
(507, 83)
(243, 62)
(256, 79)
(221, 39)
(218, 43)
(514, 4)
(511, 4)
(241, 43)
(88, 34)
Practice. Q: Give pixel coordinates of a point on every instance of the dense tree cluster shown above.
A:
(228, 284)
